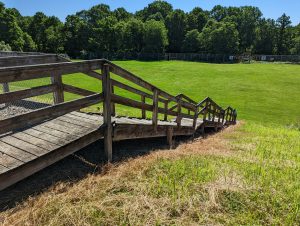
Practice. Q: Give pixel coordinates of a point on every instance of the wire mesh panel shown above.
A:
(17, 107)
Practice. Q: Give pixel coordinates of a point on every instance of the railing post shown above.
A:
(106, 89)
(208, 106)
(58, 95)
(178, 119)
(195, 118)
(223, 116)
(205, 111)
(155, 109)
(230, 115)
(214, 112)
(113, 105)
(143, 98)
(166, 109)
(170, 136)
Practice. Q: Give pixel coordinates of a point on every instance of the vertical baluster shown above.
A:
(58, 94)
(195, 118)
(113, 105)
(166, 109)
(143, 98)
(106, 88)
(178, 119)
(155, 109)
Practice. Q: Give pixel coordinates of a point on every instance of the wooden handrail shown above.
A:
(19, 73)
(140, 82)
(26, 93)
(49, 112)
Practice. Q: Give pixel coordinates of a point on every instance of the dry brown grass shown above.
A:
(119, 195)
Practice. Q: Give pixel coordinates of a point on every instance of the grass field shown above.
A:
(268, 93)
(246, 175)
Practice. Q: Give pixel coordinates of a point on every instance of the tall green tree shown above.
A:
(192, 41)
(197, 19)
(76, 34)
(155, 37)
(133, 35)
(162, 7)
(265, 37)
(121, 14)
(176, 24)
(296, 40)
(220, 37)
(248, 21)
(11, 33)
(284, 35)
(103, 36)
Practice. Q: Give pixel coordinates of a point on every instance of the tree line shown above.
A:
(157, 28)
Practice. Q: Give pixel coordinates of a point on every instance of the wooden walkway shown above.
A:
(34, 140)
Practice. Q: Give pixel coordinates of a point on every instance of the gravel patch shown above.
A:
(11, 111)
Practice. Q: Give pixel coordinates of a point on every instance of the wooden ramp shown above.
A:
(36, 139)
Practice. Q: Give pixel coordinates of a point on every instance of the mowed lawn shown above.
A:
(268, 93)
(259, 92)
(245, 175)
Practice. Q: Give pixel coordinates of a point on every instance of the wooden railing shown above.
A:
(152, 99)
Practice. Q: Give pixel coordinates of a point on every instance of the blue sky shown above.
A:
(62, 8)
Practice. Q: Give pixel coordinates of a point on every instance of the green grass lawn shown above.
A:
(260, 92)
(246, 176)
(268, 93)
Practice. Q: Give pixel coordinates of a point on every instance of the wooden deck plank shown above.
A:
(88, 116)
(55, 132)
(3, 169)
(36, 141)
(72, 127)
(81, 119)
(9, 161)
(20, 144)
(46, 136)
(78, 122)
(75, 132)
(12, 176)
(16, 153)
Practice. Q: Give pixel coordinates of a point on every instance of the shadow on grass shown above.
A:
(74, 168)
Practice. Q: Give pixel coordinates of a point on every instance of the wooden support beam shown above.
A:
(223, 117)
(155, 109)
(106, 88)
(179, 116)
(113, 105)
(166, 109)
(170, 136)
(195, 118)
(143, 98)
(213, 108)
(58, 94)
